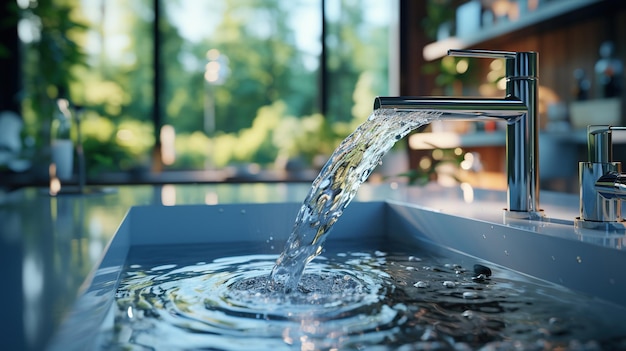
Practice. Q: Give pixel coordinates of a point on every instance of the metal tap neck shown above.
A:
(519, 108)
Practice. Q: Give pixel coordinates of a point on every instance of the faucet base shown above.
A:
(607, 227)
(530, 215)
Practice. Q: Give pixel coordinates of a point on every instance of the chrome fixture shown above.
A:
(602, 186)
(518, 108)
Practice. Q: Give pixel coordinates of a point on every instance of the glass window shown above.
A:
(245, 86)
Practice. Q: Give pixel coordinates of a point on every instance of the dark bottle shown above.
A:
(609, 72)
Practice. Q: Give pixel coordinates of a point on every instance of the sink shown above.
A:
(468, 228)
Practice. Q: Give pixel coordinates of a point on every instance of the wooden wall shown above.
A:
(564, 44)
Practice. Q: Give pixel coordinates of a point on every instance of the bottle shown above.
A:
(62, 146)
(581, 91)
(609, 72)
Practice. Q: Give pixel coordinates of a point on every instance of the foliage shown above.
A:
(114, 147)
(349, 58)
(49, 61)
(439, 12)
(273, 133)
(430, 167)
(265, 110)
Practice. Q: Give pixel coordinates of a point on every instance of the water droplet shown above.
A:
(553, 258)
(243, 211)
(491, 227)
(579, 259)
(506, 252)
(421, 284)
(468, 314)
(484, 236)
(449, 284)
(414, 259)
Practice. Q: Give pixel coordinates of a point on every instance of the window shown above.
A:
(216, 85)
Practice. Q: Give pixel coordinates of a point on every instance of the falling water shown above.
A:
(333, 189)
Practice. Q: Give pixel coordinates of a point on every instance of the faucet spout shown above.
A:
(509, 109)
(518, 108)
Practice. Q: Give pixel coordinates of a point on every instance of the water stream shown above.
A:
(335, 186)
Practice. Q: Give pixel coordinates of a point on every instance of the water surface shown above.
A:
(352, 297)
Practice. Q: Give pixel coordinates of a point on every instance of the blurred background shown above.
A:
(263, 90)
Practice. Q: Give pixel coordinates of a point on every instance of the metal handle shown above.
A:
(483, 54)
(599, 143)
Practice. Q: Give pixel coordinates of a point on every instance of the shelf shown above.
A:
(545, 13)
(450, 140)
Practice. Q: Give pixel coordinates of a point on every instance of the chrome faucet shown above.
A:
(518, 108)
(602, 185)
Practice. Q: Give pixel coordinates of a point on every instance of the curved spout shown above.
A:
(457, 108)
(521, 138)
(518, 108)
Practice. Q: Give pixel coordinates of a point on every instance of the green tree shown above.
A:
(49, 59)
(265, 63)
(354, 48)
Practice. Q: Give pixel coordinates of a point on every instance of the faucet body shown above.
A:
(602, 186)
(518, 108)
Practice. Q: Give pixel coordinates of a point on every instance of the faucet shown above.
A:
(518, 108)
(602, 185)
